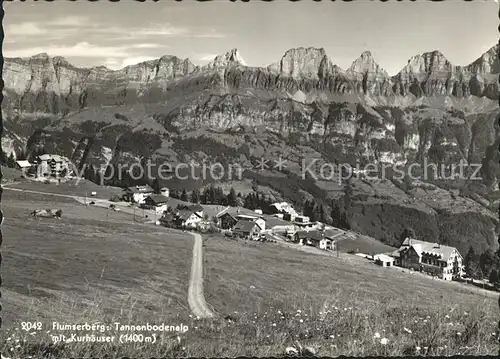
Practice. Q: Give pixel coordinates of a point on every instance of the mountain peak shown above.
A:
(428, 62)
(488, 63)
(365, 64)
(41, 56)
(231, 57)
(366, 54)
(302, 61)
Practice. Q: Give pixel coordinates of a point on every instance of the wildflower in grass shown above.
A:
(376, 335)
(274, 324)
(301, 321)
(459, 334)
(407, 330)
(332, 336)
(417, 348)
(384, 341)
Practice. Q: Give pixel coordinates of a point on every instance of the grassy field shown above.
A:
(85, 267)
(339, 305)
(71, 188)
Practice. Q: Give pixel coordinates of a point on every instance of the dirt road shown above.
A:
(196, 298)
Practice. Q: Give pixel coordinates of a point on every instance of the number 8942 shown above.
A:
(31, 326)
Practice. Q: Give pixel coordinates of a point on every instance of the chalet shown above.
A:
(257, 219)
(431, 258)
(383, 260)
(230, 216)
(23, 165)
(164, 191)
(137, 194)
(303, 222)
(316, 238)
(198, 209)
(52, 166)
(246, 229)
(187, 218)
(157, 202)
(227, 220)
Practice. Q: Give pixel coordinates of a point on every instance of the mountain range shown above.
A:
(302, 106)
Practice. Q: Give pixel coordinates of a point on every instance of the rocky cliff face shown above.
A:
(52, 85)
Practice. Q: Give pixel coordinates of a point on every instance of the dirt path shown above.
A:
(196, 298)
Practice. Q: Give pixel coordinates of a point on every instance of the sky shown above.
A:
(120, 34)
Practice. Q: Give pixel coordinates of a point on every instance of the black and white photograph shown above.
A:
(262, 179)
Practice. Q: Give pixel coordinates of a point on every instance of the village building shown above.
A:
(383, 260)
(228, 218)
(246, 229)
(156, 202)
(164, 191)
(434, 259)
(187, 218)
(23, 164)
(259, 220)
(303, 222)
(52, 166)
(137, 194)
(227, 221)
(198, 209)
(316, 238)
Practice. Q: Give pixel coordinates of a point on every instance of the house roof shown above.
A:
(23, 163)
(383, 257)
(184, 214)
(139, 189)
(428, 247)
(47, 157)
(158, 198)
(235, 211)
(244, 226)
